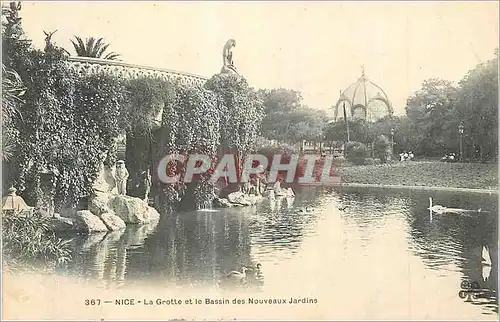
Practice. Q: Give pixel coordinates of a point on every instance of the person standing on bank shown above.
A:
(121, 177)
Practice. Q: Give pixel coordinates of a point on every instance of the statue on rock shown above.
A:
(121, 176)
(227, 57)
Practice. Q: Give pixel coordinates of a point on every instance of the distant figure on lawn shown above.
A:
(405, 156)
(121, 176)
(452, 157)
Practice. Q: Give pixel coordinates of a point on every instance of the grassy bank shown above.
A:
(423, 173)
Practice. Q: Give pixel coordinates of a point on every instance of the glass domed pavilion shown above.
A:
(363, 100)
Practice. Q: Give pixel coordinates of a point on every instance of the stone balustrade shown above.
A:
(86, 65)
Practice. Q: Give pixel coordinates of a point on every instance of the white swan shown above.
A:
(445, 210)
(436, 208)
(237, 275)
(486, 259)
(486, 272)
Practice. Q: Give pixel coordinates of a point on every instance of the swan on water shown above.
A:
(254, 271)
(486, 259)
(445, 210)
(235, 275)
(306, 209)
(436, 208)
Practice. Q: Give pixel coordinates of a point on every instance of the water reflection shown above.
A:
(359, 234)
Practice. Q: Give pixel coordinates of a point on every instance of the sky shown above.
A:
(317, 48)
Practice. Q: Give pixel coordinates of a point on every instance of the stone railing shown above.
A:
(86, 65)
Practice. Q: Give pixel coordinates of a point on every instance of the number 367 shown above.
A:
(93, 302)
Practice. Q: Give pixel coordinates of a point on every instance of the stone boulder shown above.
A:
(133, 210)
(222, 203)
(112, 221)
(254, 198)
(62, 223)
(98, 205)
(68, 212)
(85, 221)
(105, 181)
(240, 198)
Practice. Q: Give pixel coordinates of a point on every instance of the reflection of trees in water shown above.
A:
(456, 239)
(282, 223)
(195, 247)
(368, 209)
(446, 242)
(103, 256)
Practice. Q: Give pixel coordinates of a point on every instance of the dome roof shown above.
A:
(364, 99)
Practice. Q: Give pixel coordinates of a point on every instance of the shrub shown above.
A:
(31, 240)
(270, 149)
(382, 148)
(356, 152)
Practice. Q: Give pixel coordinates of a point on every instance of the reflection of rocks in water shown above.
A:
(103, 256)
(135, 236)
(90, 241)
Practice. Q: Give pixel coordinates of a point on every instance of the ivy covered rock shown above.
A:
(133, 210)
(87, 222)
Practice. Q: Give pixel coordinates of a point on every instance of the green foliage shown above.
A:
(263, 144)
(436, 111)
(240, 109)
(93, 47)
(66, 123)
(28, 239)
(191, 124)
(146, 98)
(431, 110)
(287, 120)
(477, 107)
(12, 92)
(356, 152)
(382, 148)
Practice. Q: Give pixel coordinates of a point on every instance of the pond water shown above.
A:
(382, 256)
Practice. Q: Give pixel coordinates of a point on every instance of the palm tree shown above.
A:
(12, 92)
(92, 47)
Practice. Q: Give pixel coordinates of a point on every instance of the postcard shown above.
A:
(212, 161)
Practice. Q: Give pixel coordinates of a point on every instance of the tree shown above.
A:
(477, 107)
(93, 47)
(356, 152)
(287, 119)
(431, 110)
